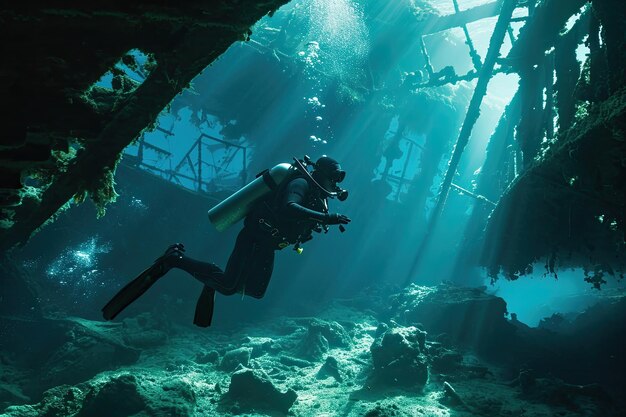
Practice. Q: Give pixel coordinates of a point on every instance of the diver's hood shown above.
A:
(301, 166)
(330, 168)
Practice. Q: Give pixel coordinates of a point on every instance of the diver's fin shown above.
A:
(131, 292)
(140, 285)
(204, 307)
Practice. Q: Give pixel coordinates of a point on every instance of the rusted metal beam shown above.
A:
(475, 196)
(468, 40)
(473, 112)
(460, 19)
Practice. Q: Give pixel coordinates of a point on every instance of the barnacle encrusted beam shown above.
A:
(541, 32)
(54, 56)
(570, 204)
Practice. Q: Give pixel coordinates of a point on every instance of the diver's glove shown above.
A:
(337, 218)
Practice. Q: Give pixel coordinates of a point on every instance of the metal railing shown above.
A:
(191, 171)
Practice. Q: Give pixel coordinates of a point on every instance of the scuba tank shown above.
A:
(238, 205)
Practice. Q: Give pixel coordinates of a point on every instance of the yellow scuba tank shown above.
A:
(238, 205)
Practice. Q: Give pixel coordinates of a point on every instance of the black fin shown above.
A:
(130, 292)
(204, 307)
(140, 285)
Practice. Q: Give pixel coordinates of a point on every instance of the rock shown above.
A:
(87, 349)
(332, 331)
(446, 361)
(291, 361)
(176, 400)
(381, 329)
(556, 322)
(58, 351)
(144, 331)
(146, 339)
(314, 346)
(117, 397)
(233, 358)
(386, 410)
(330, 369)
(526, 380)
(121, 396)
(398, 359)
(469, 316)
(320, 337)
(260, 345)
(211, 356)
(452, 398)
(59, 401)
(254, 391)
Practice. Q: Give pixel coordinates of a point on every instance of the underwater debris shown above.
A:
(297, 362)
(113, 395)
(563, 217)
(437, 309)
(386, 410)
(347, 375)
(561, 188)
(250, 390)
(72, 351)
(118, 396)
(212, 357)
(235, 358)
(116, 31)
(398, 358)
(443, 360)
(320, 337)
(453, 397)
(330, 369)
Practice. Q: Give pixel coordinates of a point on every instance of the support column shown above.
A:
(473, 112)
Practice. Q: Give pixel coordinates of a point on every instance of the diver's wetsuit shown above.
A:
(299, 210)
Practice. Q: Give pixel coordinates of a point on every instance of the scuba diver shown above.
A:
(283, 206)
